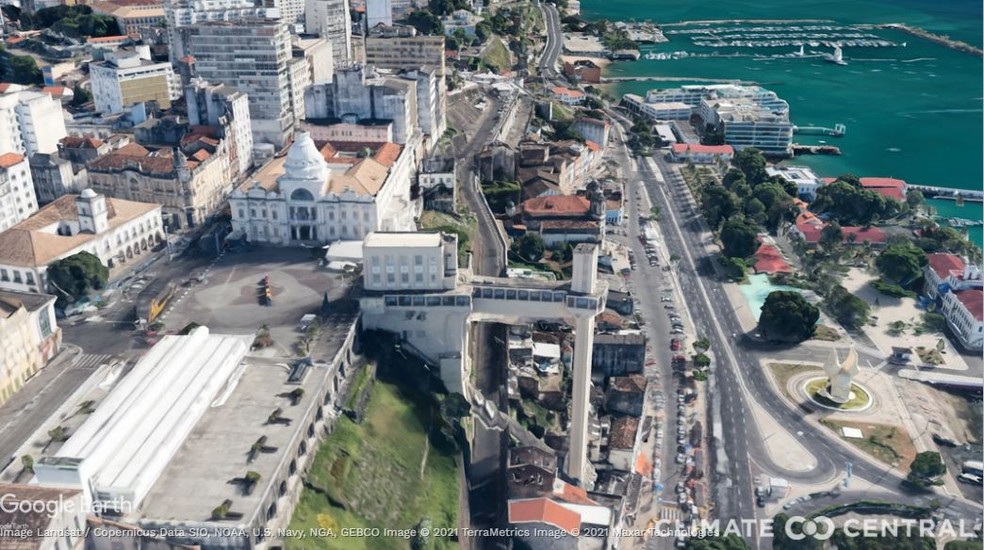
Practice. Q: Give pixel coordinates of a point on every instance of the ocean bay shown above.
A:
(911, 112)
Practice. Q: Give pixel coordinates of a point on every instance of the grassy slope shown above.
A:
(373, 469)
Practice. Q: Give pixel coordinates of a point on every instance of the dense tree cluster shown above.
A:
(846, 201)
(739, 238)
(926, 468)
(901, 263)
(75, 276)
(787, 317)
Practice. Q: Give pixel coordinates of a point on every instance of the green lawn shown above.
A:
(463, 225)
(369, 475)
(497, 55)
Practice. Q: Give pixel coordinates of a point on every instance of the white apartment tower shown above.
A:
(30, 123)
(331, 20)
(184, 13)
(379, 11)
(17, 200)
(254, 57)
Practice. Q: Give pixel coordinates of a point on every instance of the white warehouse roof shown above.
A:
(402, 239)
(136, 430)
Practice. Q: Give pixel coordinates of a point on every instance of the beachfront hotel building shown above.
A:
(660, 111)
(749, 116)
(747, 123)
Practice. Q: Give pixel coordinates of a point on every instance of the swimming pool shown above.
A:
(758, 289)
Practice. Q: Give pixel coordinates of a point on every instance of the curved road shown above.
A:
(555, 40)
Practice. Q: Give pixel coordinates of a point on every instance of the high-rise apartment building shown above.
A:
(185, 13)
(254, 57)
(362, 93)
(30, 123)
(379, 11)
(127, 77)
(17, 200)
(331, 20)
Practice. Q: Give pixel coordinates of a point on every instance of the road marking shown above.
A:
(90, 361)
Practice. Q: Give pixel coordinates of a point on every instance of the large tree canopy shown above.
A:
(926, 468)
(531, 247)
(901, 263)
(719, 204)
(788, 317)
(739, 238)
(75, 276)
(752, 163)
(852, 204)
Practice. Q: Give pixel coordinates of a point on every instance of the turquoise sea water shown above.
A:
(911, 112)
(758, 289)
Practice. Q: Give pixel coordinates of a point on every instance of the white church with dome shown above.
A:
(327, 192)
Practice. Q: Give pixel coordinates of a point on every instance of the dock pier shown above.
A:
(948, 193)
(943, 40)
(799, 149)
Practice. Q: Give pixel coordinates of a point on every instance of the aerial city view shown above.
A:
(491, 274)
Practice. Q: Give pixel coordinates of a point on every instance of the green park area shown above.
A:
(382, 473)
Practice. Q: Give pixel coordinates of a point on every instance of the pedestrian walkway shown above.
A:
(91, 361)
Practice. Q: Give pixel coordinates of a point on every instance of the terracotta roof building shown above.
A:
(189, 182)
(769, 260)
(114, 230)
(338, 190)
(544, 511)
(701, 154)
(955, 285)
(566, 218)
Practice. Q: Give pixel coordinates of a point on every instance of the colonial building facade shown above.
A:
(326, 194)
(188, 187)
(114, 230)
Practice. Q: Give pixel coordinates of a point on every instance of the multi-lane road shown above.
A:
(737, 370)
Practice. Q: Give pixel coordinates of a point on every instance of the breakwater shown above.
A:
(937, 38)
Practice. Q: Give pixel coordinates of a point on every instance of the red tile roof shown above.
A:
(944, 263)
(593, 146)
(883, 182)
(973, 300)
(560, 90)
(623, 433)
(703, 149)
(110, 39)
(769, 260)
(81, 142)
(872, 234)
(56, 91)
(559, 205)
(543, 510)
(810, 231)
(889, 187)
(569, 493)
(9, 160)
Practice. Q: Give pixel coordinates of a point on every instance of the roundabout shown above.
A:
(816, 390)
